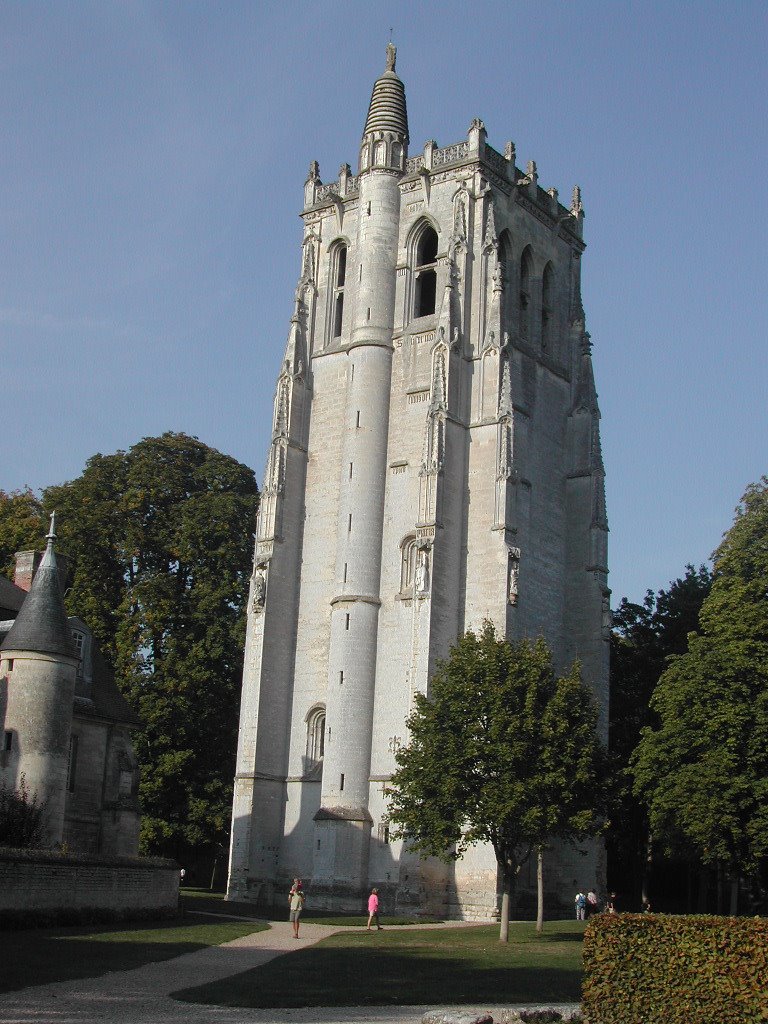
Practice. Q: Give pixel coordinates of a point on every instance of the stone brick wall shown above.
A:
(43, 880)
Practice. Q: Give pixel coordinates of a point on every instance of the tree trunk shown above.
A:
(213, 871)
(734, 908)
(540, 889)
(506, 875)
(701, 907)
(647, 865)
(720, 888)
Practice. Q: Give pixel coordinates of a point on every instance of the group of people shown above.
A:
(589, 905)
(297, 899)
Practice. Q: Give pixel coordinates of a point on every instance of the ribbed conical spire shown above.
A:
(387, 111)
(41, 625)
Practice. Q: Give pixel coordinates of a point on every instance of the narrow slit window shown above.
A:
(341, 783)
(347, 620)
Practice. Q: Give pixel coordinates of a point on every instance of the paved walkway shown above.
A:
(140, 996)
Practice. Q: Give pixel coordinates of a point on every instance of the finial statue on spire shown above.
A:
(51, 535)
(391, 55)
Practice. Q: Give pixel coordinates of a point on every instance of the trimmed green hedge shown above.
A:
(647, 968)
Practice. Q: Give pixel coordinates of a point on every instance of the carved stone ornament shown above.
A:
(259, 589)
(422, 571)
(514, 575)
(607, 615)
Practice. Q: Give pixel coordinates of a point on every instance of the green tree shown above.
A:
(160, 542)
(501, 752)
(643, 638)
(22, 526)
(703, 770)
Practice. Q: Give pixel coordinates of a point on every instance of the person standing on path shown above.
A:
(296, 904)
(373, 909)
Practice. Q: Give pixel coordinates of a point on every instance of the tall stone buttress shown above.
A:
(435, 461)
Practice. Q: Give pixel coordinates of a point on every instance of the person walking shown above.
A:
(581, 905)
(296, 905)
(373, 908)
(592, 904)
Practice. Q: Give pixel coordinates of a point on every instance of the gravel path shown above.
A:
(140, 996)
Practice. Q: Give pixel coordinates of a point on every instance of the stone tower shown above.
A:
(39, 665)
(435, 461)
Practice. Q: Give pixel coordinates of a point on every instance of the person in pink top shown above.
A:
(373, 908)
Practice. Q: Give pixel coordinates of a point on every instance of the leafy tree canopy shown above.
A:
(22, 526)
(643, 638)
(703, 770)
(160, 544)
(502, 752)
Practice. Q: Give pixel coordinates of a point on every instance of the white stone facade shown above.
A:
(435, 462)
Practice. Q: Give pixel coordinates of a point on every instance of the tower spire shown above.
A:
(391, 56)
(42, 624)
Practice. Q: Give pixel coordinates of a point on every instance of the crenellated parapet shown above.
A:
(501, 171)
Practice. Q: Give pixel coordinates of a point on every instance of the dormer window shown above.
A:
(78, 640)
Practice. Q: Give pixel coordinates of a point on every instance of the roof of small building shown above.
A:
(106, 700)
(11, 596)
(41, 625)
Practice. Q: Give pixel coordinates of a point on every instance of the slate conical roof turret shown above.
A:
(387, 111)
(41, 625)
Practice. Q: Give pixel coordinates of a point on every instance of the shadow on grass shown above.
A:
(366, 977)
(43, 955)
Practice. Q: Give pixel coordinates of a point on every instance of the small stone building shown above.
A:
(65, 725)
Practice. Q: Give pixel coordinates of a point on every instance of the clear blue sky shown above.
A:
(151, 177)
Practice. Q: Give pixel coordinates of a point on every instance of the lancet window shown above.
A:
(526, 267)
(316, 734)
(547, 311)
(407, 563)
(425, 273)
(339, 276)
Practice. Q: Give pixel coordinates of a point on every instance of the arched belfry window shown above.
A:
(547, 311)
(339, 277)
(316, 734)
(425, 273)
(526, 268)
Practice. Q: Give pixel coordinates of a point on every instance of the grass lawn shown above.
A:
(431, 967)
(41, 955)
(202, 900)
